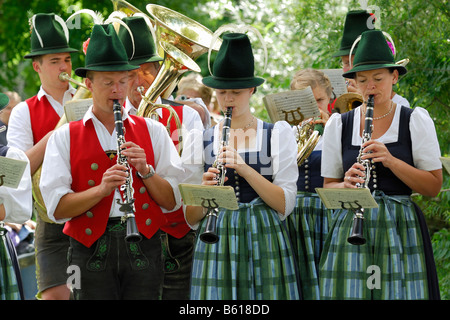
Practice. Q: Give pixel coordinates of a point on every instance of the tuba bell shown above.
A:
(347, 101)
(81, 96)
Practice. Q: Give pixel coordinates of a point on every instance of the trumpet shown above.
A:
(127, 206)
(357, 237)
(210, 235)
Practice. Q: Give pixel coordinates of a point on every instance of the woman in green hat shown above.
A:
(253, 257)
(396, 262)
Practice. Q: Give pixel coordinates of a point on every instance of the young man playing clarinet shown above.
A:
(86, 191)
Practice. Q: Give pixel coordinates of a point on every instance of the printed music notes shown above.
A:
(446, 162)
(351, 199)
(11, 171)
(292, 106)
(76, 109)
(208, 196)
(337, 81)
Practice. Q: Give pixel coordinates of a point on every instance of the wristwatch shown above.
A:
(150, 173)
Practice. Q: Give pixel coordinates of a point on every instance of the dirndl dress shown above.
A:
(253, 258)
(396, 262)
(9, 286)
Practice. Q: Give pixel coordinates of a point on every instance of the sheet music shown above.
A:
(11, 172)
(292, 106)
(337, 80)
(199, 195)
(339, 198)
(76, 109)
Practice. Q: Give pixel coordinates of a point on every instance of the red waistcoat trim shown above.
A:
(88, 163)
(43, 117)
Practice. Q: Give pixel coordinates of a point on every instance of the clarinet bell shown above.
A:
(356, 237)
(133, 234)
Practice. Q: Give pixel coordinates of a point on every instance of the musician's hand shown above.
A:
(354, 175)
(136, 157)
(114, 177)
(351, 86)
(377, 152)
(233, 160)
(324, 116)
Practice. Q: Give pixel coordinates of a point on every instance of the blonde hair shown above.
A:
(312, 78)
(194, 81)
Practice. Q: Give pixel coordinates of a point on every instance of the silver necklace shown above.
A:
(385, 115)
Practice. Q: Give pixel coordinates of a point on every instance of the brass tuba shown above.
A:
(80, 96)
(347, 101)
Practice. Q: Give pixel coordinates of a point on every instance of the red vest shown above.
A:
(43, 117)
(176, 224)
(88, 162)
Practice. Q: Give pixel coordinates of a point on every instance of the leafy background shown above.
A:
(298, 34)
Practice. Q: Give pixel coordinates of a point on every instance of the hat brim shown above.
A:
(366, 67)
(81, 72)
(342, 52)
(220, 83)
(147, 59)
(49, 51)
(4, 101)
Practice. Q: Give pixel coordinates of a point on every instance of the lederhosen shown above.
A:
(397, 240)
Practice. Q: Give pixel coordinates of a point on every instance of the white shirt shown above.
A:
(18, 202)
(399, 100)
(283, 151)
(20, 134)
(56, 177)
(425, 145)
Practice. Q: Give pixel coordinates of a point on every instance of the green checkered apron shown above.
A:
(251, 261)
(308, 227)
(390, 266)
(9, 288)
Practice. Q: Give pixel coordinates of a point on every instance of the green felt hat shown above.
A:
(356, 22)
(234, 65)
(105, 52)
(4, 101)
(49, 34)
(373, 53)
(141, 48)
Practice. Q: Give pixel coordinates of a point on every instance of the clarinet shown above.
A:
(357, 237)
(127, 205)
(210, 235)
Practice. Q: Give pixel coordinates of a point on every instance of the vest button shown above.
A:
(88, 231)
(91, 183)
(94, 166)
(89, 214)
(145, 206)
(142, 190)
(148, 222)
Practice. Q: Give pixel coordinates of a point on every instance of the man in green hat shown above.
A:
(15, 207)
(30, 125)
(89, 198)
(177, 236)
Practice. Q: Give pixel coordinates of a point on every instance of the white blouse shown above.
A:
(56, 177)
(283, 151)
(18, 202)
(425, 145)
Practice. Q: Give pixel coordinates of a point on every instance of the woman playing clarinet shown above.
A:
(252, 258)
(396, 261)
